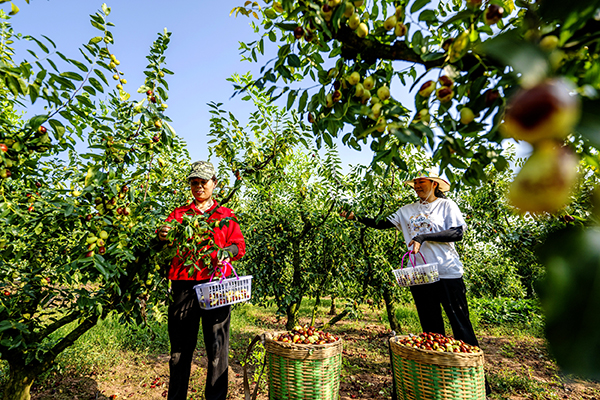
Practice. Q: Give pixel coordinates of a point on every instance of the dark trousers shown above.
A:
(450, 294)
(184, 323)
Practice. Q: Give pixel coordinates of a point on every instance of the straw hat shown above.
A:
(431, 174)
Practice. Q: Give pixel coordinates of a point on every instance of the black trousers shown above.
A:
(184, 323)
(451, 294)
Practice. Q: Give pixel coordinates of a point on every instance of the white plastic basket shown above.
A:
(416, 275)
(224, 292)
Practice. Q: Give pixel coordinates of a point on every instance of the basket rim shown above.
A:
(443, 358)
(301, 346)
(417, 266)
(394, 339)
(226, 280)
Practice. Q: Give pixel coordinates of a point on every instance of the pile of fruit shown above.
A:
(437, 342)
(306, 335)
(408, 277)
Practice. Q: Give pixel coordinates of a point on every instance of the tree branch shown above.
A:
(372, 50)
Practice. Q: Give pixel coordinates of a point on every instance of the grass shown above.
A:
(508, 382)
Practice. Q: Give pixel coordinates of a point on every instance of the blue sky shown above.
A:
(203, 53)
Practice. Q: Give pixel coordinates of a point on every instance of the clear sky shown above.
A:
(203, 53)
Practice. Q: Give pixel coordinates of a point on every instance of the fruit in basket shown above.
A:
(227, 297)
(437, 342)
(305, 334)
(417, 276)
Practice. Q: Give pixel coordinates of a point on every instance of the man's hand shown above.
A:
(162, 233)
(223, 262)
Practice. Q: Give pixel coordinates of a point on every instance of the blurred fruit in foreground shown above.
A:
(546, 181)
(545, 111)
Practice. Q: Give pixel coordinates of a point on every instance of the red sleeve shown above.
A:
(171, 216)
(234, 236)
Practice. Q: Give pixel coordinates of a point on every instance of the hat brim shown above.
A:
(442, 184)
(200, 176)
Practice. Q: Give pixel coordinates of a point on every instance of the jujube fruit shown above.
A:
(362, 30)
(546, 181)
(427, 88)
(545, 111)
(493, 14)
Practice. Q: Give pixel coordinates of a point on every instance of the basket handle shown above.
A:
(247, 395)
(408, 253)
(226, 264)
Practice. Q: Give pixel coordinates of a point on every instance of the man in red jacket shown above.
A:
(184, 312)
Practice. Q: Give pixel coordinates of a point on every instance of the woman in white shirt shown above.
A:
(431, 226)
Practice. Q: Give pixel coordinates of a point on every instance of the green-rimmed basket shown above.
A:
(303, 371)
(433, 375)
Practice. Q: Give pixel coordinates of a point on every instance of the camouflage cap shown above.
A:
(202, 170)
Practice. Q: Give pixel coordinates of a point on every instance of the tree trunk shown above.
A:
(336, 319)
(314, 311)
(292, 315)
(19, 383)
(332, 310)
(390, 306)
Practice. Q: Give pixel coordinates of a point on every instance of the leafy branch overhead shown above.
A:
(463, 62)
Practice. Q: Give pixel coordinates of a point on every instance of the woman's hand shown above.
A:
(416, 246)
(162, 233)
(347, 215)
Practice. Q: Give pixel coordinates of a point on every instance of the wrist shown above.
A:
(419, 239)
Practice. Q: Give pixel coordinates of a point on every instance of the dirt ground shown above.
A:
(517, 369)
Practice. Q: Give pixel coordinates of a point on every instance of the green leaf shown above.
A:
(283, 51)
(286, 26)
(13, 9)
(417, 40)
(96, 84)
(101, 75)
(38, 120)
(291, 97)
(13, 85)
(327, 138)
(384, 155)
(294, 61)
(40, 44)
(59, 128)
(85, 101)
(97, 25)
(72, 75)
(270, 13)
(79, 65)
(96, 39)
(433, 56)
(90, 90)
(418, 4)
(303, 100)
(428, 16)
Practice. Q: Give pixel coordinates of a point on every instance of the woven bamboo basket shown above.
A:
(427, 374)
(303, 371)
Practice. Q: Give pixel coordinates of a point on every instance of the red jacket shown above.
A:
(229, 234)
